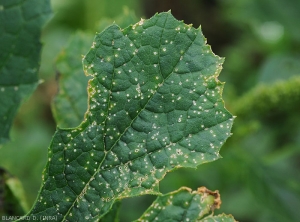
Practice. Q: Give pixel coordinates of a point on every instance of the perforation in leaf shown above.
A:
(154, 105)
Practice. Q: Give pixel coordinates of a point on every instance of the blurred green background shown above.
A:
(258, 177)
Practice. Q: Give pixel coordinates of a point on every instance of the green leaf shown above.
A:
(183, 205)
(154, 105)
(20, 30)
(70, 104)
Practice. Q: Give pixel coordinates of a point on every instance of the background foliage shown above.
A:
(258, 177)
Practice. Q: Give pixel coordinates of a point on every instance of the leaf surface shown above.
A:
(154, 105)
(182, 205)
(20, 29)
(70, 104)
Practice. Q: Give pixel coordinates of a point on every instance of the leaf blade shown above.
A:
(70, 103)
(20, 28)
(182, 205)
(134, 132)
